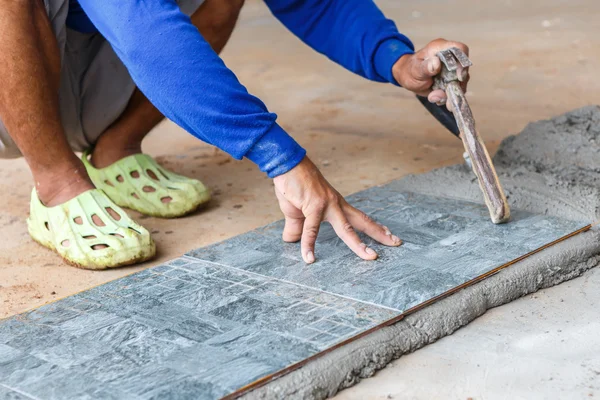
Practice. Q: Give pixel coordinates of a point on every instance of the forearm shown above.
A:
(353, 33)
(184, 78)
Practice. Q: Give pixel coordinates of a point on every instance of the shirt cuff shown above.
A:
(388, 53)
(276, 152)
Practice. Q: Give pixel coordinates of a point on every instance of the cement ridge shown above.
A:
(549, 168)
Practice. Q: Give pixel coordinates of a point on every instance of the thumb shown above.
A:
(430, 67)
(424, 70)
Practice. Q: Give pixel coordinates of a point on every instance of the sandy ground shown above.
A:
(532, 60)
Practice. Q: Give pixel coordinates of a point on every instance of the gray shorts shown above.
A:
(95, 86)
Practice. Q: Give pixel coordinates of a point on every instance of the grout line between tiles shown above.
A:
(29, 396)
(295, 284)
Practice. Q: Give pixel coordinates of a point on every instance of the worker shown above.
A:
(96, 76)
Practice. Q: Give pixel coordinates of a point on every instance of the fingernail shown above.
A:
(396, 239)
(310, 257)
(370, 251)
(387, 231)
(363, 245)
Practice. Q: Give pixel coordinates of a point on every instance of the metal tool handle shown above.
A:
(481, 162)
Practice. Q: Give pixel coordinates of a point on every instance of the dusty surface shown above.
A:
(532, 60)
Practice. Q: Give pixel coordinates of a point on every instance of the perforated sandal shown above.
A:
(139, 183)
(90, 231)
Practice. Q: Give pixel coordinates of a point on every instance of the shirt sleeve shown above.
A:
(353, 33)
(187, 81)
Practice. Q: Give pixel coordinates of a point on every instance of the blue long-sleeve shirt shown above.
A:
(185, 79)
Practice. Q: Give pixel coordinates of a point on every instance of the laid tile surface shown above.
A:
(446, 243)
(8, 394)
(189, 329)
(207, 324)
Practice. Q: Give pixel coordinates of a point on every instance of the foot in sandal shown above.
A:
(139, 183)
(90, 232)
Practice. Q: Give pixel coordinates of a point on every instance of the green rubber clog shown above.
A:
(139, 183)
(90, 231)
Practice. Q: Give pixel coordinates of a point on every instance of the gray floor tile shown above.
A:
(71, 352)
(144, 382)
(446, 243)
(206, 324)
(222, 329)
(25, 370)
(9, 394)
(7, 354)
(73, 385)
(189, 389)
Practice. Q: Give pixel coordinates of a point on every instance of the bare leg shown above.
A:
(215, 20)
(30, 76)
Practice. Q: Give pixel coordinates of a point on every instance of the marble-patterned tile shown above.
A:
(151, 350)
(179, 262)
(189, 388)
(147, 336)
(196, 329)
(324, 340)
(304, 307)
(279, 349)
(50, 315)
(120, 333)
(9, 394)
(413, 290)
(239, 372)
(200, 268)
(25, 370)
(446, 243)
(71, 352)
(72, 383)
(206, 324)
(112, 366)
(306, 333)
(333, 328)
(89, 322)
(26, 336)
(8, 354)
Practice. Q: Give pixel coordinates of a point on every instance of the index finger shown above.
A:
(365, 224)
(345, 231)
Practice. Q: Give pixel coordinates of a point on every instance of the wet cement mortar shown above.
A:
(552, 167)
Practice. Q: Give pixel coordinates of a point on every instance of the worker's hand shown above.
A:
(415, 72)
(307, 199)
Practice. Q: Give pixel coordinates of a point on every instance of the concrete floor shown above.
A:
(542, 346)
(532, 60)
